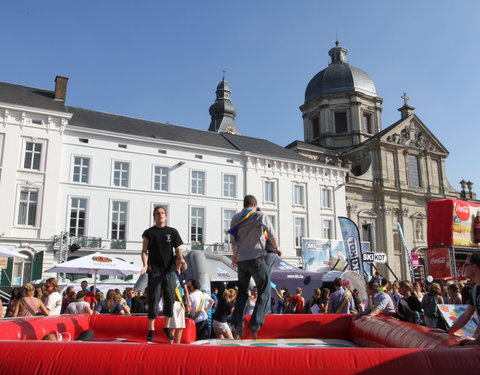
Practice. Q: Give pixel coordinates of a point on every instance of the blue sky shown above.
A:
(162, 60)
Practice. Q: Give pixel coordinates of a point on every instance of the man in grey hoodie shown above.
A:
(248, 230)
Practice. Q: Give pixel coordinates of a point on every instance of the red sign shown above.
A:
(415, 259)
(101, 259)
(462, 210)
(438, 263)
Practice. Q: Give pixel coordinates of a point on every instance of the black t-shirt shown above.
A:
(223, 310)
(161, 245)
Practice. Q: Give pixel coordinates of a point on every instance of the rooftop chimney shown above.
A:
(60, 88)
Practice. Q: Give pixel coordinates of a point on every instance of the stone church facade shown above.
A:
(394, 172)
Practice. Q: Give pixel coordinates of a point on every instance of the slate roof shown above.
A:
(30, 97)
(95, 120)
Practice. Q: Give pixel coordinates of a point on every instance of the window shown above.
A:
(326, 198)
(367, 123)
(81, 167)
(160, 176)
(196, 225)
(198, 182)
(341, 122)
(120, 174)
(273, 220)
(315, 127)
(119, 220)
(227, 218)
(269, 192)
(299, 231)
(27, 209)
(298, 195)
(33, 156)
(413, 171)
(78, 211)
(327, 229)
(229, 186)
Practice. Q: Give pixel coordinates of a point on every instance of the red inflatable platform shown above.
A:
(386, 346)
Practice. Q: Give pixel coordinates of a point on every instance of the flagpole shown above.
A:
(95, 283)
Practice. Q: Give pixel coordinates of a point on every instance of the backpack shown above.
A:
(430, 306)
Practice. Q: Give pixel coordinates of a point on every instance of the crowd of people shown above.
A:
(404, 300)
(255, 249)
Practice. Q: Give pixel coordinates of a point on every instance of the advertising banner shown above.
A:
(439, 265)
(450, 223)
(351, 240)
(320, 255)
(463, 215)
(415, 259)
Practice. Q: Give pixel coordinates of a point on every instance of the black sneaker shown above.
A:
(150, 335)
(254, 334)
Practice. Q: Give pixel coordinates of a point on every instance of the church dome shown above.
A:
(339, 77)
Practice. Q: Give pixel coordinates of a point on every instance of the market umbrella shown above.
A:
(7, 253)
(97, 264)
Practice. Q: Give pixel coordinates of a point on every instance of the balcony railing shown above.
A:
(87, 242)
(118, 244)
(223, 248)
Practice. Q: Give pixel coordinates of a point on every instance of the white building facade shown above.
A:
(97, 177)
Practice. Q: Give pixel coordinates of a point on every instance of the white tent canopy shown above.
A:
(7, 253)
(97, 264)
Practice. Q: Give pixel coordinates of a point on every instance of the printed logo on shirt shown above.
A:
(168, 237)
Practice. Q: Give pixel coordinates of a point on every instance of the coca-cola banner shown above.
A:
(453, 222)
(438, 261)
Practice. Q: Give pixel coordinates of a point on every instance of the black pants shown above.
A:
(157, 283)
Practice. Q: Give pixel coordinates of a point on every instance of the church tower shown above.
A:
(223, 112)
(341, 106)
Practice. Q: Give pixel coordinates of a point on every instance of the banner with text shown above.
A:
(351, 240)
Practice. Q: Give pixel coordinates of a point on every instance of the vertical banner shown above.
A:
(410, 265)
(351, 239)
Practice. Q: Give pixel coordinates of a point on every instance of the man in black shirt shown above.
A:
(158, 260)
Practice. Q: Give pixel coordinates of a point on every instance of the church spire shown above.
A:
(223, 112)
